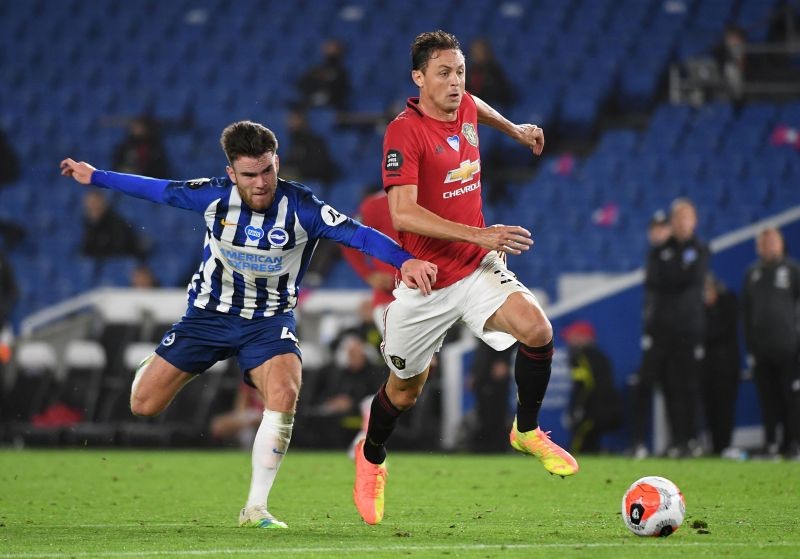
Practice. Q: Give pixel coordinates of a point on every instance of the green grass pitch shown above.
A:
(110, 503)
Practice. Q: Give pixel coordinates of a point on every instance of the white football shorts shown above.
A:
(415, 325)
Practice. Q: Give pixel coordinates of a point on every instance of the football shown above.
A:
(653, 506)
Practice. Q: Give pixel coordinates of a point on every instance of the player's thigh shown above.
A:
(156, 385)
(415, 328)
(522, 317)
(500, 309)
(278, 381)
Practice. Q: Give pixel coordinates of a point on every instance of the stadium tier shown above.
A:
(570, 61)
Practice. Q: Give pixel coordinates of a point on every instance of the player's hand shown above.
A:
(419, 274)
(382, 281)
(512, 239)
(81, 172)
(531, 136)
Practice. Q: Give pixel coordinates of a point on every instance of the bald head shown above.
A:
(769, 245)
(683, 219)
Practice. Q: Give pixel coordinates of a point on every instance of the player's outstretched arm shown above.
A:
(529, 135)
(80, 171)
(146, 188)
(419, 274)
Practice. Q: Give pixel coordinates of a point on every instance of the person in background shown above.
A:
(595, 404)
(9, 161)
(721, 370)
(643, 382)
(240, 423)
(9, 291)
(106, 233)
(142, 151)
(355, 376)
(374, 212)
(486, 77)
(674, 280)
(732, 59)
(307, 157)
(326, 84)
(142, 277)
(771, 306)
(490, 380)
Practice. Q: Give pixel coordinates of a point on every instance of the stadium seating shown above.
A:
(568, 60)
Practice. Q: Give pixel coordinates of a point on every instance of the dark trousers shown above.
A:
(642, 396)
(778, 381)
(720, 388)
(675, 362)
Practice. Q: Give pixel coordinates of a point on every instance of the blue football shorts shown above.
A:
(202, 338)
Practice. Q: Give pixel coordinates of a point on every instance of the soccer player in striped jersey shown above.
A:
(432, 176)
(260, 234)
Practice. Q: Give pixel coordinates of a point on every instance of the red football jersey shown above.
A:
(443, 160)
(373, 212)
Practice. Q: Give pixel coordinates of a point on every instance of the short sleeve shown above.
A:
(401, 154)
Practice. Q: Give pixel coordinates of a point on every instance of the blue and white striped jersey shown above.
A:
(253, 262)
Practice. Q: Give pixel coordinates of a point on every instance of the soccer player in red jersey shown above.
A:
(374, 212)
(432, 176)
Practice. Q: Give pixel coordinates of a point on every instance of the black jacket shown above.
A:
(674, 281)
(771, 297)
(9, 293)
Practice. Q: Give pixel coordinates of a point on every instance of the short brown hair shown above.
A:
(428, 43)
(247, 139)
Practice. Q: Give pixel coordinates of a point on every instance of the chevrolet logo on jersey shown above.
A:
(465, 171)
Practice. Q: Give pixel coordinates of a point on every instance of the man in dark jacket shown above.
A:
(771, 295)
(674, 279)
(643, 382)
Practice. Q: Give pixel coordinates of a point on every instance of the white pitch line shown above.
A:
(126, 525)
(381, 549)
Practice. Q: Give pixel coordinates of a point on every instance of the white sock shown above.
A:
(269, 447)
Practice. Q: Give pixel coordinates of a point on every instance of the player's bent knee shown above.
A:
(283, 397)
(538, 334)
(144, 408)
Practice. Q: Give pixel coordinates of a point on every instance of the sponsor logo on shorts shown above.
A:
(398, 362)
(254, 233)
(277, 237)
(169, 339)
(394, 160)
